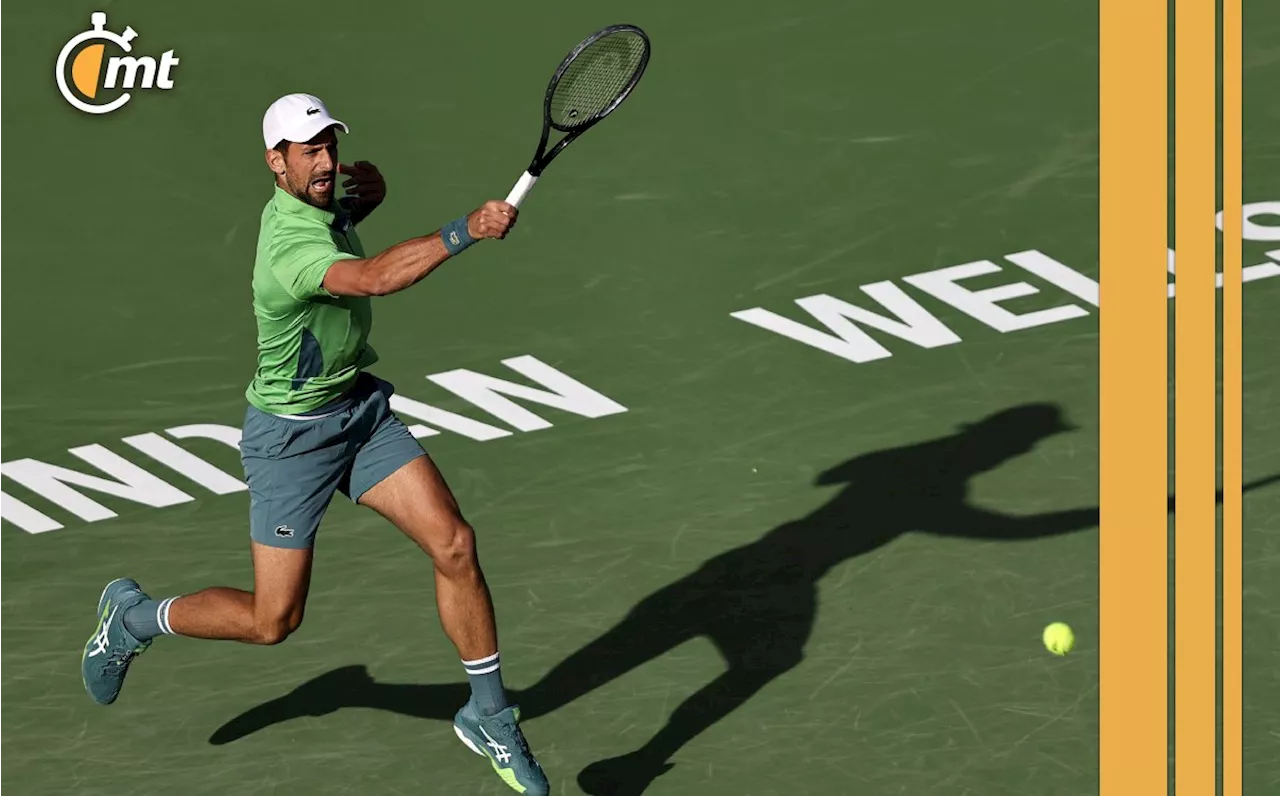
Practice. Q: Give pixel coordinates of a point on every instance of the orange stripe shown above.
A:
(1232, 405)
(1133, 368)
(1195, 329)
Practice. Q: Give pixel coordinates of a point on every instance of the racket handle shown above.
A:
(521, 189)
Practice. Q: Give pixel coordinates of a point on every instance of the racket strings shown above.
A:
(595, 79)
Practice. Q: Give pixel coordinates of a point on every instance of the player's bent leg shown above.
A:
(416, 499)
(128, 619)
(293, 467)
(266, 615)
(393, 475)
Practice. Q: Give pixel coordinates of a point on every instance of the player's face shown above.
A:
(311, 169)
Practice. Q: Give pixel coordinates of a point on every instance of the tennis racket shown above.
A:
(589, 84)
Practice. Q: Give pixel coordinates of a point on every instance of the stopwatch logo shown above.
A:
(86, 83)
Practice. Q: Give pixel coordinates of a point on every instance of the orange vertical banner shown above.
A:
(1133, 395)
(1232, 402)
(1195, 398)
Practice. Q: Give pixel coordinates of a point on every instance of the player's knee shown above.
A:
(273, 630)
(455, 552)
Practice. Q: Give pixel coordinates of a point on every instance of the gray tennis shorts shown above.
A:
(293, 466)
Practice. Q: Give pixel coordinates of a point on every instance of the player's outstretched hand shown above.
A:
(365, 183)
(493, 219)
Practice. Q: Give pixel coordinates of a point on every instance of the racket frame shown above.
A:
(542, 157)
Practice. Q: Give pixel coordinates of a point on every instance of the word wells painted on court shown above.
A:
(902, 316)
(96, 69)
(903, 313)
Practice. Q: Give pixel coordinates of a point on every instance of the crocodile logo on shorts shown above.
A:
(284, 531)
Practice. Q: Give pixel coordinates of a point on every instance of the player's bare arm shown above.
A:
(407, 263)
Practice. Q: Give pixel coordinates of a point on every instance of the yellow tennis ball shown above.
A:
(1058, 638)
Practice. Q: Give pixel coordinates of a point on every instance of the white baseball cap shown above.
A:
(296, 117)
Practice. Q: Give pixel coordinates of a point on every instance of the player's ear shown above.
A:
(275, 160)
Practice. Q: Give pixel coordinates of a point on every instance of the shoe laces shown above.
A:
(514, 732)
(121, 657)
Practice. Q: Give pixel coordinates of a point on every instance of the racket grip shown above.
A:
(521, 189)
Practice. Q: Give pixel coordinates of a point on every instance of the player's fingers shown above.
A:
(502, 208)
(361, 169)
(365, 189)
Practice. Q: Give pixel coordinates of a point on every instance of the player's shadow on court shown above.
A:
(757, 603)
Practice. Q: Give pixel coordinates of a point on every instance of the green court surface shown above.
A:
(777, 571)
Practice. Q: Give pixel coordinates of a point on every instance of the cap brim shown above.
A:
(313, 127)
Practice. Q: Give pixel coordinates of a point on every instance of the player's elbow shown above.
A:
(378, 280)
(379, 284)
(374, 280)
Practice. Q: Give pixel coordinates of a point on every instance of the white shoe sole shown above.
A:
(463, 737)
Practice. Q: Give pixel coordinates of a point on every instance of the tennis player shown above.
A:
(318, 423)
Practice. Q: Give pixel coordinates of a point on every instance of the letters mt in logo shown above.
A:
(83, 64)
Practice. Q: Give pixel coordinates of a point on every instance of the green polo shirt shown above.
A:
(311, 344)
